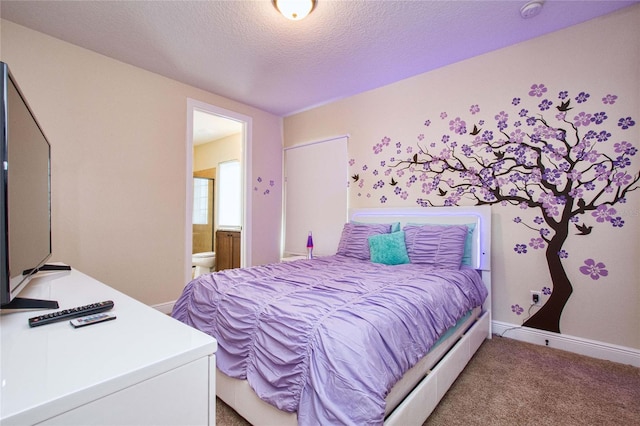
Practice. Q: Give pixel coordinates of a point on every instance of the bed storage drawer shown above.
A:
(432, 388)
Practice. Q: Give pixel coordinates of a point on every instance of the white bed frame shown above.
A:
(440, 368)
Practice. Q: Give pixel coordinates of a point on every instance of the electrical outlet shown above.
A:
(536, 298)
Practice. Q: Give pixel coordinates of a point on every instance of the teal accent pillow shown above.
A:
(388, 249)
(468, 245)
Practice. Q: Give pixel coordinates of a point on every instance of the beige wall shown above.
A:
(602, 57)
(118, 136)
(208, 155)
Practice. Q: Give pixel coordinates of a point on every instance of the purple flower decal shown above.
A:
(520, 248)
(458, 126)
(545, 105)
(537, 90)
(603, 213)
(603, 136)
(599, 117)
(624, 147)
(593, 269)
(617, 222)
(377, 148)
(536, 243)
(582, 97)
(609, 99)
(546, 291)
(517, 309)
(503, 116)
(582, 119)
(621, 179)
(625, 123)
(474, 109)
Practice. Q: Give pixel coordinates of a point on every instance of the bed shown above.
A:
(360, 337)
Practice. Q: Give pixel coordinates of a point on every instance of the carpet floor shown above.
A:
(509, 382)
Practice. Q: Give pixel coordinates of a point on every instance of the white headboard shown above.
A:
(480, 215)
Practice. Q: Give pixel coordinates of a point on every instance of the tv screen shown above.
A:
(25, 234)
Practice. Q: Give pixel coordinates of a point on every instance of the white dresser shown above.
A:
(143, 368)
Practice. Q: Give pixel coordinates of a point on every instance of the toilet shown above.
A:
(204, 262)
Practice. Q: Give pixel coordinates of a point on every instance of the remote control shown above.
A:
(80, 311)
(91, 319)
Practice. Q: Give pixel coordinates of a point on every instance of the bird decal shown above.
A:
(442, 192)
(393, 182)
(564, 106)
(475, 130)
(355, 177)
(584, 229)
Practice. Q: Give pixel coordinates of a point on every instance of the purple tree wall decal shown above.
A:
(563, 163)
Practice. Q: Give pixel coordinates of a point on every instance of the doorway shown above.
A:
(218, 119)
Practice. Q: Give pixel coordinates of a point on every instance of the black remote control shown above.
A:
(66, 314)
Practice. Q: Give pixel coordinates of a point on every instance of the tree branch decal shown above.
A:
(572, 165)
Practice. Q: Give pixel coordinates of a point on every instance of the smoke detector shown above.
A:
(531, 9)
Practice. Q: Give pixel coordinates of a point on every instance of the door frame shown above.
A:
(245, 236)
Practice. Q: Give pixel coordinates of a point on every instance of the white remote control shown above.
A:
(91, 319)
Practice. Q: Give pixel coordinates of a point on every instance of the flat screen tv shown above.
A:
(25, 191)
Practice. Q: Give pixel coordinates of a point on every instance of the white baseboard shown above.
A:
(592, 348)
(165, 308)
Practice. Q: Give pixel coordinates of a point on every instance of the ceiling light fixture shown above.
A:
(294, 9)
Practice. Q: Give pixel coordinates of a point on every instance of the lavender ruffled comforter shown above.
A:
(327, 337)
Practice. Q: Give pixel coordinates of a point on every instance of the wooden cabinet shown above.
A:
(227, 249)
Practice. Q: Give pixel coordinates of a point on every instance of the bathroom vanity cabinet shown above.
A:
(227, 249)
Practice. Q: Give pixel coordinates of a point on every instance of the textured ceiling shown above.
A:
(246, 51)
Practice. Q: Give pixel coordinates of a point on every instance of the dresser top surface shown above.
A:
(57, 365)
